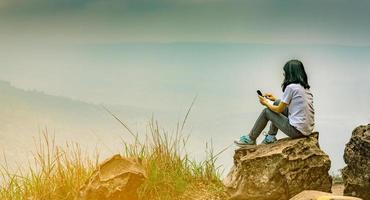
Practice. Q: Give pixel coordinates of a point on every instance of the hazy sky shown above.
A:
(111, 21)
(160, 54)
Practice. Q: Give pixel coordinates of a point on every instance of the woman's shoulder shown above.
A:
(295, 86)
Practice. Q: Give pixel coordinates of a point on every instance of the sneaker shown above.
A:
(245, 140)
(269, 139)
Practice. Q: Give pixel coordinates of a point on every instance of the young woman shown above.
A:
(293, 114)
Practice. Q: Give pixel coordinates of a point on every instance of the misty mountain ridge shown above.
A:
(26, 114)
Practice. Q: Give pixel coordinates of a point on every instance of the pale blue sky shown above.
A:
(160, 54)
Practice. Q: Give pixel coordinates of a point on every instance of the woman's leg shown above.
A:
(279, 120)
(273, 129)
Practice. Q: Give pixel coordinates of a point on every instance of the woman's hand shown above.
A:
(263, 101)
(269, 96)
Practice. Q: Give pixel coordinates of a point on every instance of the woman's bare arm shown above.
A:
(278, 109)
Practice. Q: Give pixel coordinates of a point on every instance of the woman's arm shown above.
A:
(278, 109)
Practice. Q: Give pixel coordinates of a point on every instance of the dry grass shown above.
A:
(59, 172)
(171, 174)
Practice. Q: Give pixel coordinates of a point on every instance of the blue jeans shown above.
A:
(278, 121)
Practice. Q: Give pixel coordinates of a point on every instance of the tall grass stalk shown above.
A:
(58, 172)
(171, 173)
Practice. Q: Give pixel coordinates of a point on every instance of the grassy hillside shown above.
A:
(59, 172)
(56, 169)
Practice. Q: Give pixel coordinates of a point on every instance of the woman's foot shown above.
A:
(269, 139)
(245, 140)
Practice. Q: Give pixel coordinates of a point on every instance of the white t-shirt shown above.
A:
(300, 106)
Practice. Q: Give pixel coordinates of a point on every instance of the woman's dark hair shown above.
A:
(295, 73)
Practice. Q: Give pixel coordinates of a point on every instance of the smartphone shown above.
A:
(259, 93)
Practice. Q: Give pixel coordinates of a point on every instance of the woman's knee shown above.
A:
(269, 114)
(266, 111)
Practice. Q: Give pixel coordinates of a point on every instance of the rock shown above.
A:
(317, 195)
(356, 174)
(117, 178)
(279, 171)
(337, 188)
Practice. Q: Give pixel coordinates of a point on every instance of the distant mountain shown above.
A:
(38, 105)
(25, 114)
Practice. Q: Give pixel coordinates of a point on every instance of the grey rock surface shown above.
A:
(317, 195)
(279, 171)
(356, 174)
(117, 178)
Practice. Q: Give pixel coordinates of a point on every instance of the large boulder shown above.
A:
(117, 178)
(279, 171)
(317, 195)
(356, 174)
